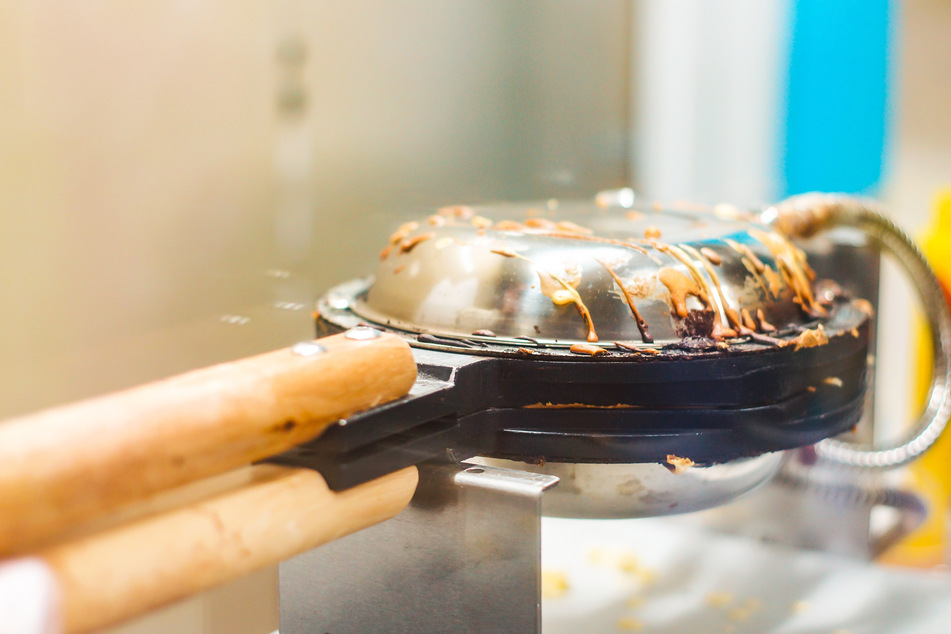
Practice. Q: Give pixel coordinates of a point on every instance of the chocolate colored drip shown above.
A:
(692, 272)
(638, 319)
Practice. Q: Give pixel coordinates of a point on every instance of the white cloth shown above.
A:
(29, 598)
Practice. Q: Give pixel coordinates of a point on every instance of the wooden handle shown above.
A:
(120, 573)
(68, 464)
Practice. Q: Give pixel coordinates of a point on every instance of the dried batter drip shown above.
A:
(679, 287)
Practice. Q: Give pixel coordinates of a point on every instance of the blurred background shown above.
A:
(181, 180)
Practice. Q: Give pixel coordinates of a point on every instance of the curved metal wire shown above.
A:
(804, 215)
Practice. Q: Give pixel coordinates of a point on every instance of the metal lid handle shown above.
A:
(802, 216)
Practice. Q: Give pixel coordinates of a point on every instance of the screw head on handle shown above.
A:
(362, 333)
(308, 349)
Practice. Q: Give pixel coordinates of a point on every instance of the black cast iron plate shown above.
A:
(711, 407)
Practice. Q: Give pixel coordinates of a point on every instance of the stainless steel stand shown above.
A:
(465, 556)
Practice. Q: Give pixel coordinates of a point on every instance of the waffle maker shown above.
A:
(648, 360)
(611, 344)
(652, 360)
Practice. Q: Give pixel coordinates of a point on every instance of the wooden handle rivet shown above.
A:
(338, 301)
(308, 349)
(362, 333)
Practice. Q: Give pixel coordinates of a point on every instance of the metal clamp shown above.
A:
(464, 557)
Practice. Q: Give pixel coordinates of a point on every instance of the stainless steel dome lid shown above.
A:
(819, 319)
(706, 397)
(595, 272)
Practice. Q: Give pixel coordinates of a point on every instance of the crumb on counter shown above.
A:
(745, 611)
(799, 606)
(626, 562)
(554, 583)
(596, 556)
(719, 599)
(629, 564)
(634, 602)
(630, 624)
(739, 614)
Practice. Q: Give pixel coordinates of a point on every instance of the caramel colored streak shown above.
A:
(711, 255)
(679, 255)
(744, 250)
(586, 315)
(756, 268)
(404, 230)
(540, 223)
(768, 292)
(409, 244)
(719, 330)
(679, 287)
(462, 212)
(585, 348)
(775, 282)
(747, 319)
(587, 238)
(509, 225)
(730, 313)
(638, 319)
(792, 264)
(574, 297)
(570, 227)
(797, 280)
(549, 405)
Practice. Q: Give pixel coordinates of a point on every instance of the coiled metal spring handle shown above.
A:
(802, 216)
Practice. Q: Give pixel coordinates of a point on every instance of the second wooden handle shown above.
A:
(69, 464)
(113, 575)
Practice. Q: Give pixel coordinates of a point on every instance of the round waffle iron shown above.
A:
(656, 359)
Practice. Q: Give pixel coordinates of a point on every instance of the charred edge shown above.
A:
(696, 344)
(770, 341)
(698, 324)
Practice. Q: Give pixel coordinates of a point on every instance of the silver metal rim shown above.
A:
(607, 491)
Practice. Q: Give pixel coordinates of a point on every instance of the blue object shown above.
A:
(838, 95)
